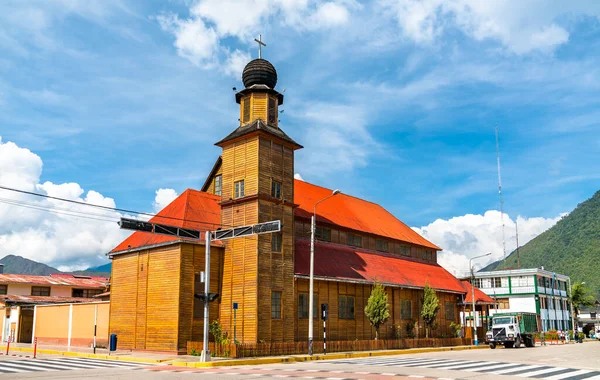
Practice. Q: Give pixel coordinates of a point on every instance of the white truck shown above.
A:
(512, 330)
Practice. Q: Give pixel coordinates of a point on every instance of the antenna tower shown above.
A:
(500, 195)
(517, 236)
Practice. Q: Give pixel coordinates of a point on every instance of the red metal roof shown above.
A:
(353, 213)
(480, 297)
(192, 209)
(42, 299)
(347, 263)
(55, 280)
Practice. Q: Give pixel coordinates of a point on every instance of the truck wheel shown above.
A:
(492, 345)
(508, 345)
(518, 342)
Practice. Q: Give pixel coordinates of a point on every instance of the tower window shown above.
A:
(276, 242)
(272, 115)
(246, 116)
(276, 189)
(276, 305)
(218, 184)
(239, 189)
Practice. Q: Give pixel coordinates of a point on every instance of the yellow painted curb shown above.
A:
(332, 356)
(87, 355)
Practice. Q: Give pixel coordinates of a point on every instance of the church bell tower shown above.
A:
(258, 186)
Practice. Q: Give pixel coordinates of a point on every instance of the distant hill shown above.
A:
(20, 265)
(571, 247)
(102, 270)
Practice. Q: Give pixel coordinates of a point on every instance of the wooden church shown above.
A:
(154, 277)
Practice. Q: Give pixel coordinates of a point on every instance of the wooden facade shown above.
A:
(152, 296)
(152, 303)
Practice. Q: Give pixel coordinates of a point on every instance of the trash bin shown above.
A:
(113, 342)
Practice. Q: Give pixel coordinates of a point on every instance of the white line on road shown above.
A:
(535, 373)
(516, 369)
(569, 374)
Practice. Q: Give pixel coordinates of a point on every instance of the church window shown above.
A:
(40, 290)
(218, 184)
(239, 189)
(246, 110)
(405, 309)
(323, 233)
(346, 307)
(272, 111)
(382, 245)
(303, 305)
(198, 304)
(276, 242)
(354, 240)
(450, 310)
(276, 189)
(276, 305)
(3, 289)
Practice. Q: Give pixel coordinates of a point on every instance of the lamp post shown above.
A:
(312, 270)
(475, 342)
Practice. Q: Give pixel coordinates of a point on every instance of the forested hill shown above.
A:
(21, 265)
(570, 247)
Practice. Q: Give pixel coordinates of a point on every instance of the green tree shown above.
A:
(581, 297)
(431, 305)
(377, 309)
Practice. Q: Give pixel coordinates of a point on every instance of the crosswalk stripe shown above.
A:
(448, 362)
(10, 370)
(56, 367)
(83, 363)
(101, 361)
(431, 362)
(575, 373)
(13, 364)
(540, 372)
(494, 367)
(458, 367)
(517, 369)
(69, 364)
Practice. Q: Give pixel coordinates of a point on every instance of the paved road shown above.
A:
(571, 362)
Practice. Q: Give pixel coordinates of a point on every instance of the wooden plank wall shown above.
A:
(276, 269)
(240, 260)
(144, 308)
(359, 327)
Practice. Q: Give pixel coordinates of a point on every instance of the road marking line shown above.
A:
(387, 374)
(417, 376)
(534, 373)
(516, 369)
(495, 366)
(570, 374)
(466, 365)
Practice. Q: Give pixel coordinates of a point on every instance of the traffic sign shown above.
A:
(260, 228)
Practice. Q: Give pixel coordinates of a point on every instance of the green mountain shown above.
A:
(571, 247)
(20, 265)
(102, 270)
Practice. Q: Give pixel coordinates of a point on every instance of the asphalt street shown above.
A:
(571, 362)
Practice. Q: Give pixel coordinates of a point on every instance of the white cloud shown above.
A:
(467, 236)
(70, 237)
(163, 198)
(520, 26)
(198, 37)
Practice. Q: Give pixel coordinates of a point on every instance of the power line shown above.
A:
(56, 211)
(115, 208)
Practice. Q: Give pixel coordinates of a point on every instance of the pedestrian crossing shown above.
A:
(61, 364)
(495, 368)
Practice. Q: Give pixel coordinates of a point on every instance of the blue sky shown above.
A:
(394, 101)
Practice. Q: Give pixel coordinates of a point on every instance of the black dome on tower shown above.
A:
(259, 71)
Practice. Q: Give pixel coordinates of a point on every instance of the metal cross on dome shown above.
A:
(260, 45)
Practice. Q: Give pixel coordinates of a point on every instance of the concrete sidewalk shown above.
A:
(23, 349)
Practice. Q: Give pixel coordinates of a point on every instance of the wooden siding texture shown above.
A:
(359, 327)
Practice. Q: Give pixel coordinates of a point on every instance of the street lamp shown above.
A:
(312, 270)
(475, 342)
